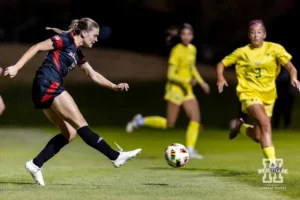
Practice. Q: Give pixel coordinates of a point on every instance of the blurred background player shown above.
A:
(49, 94)
(182, 77)
(257, 66)
(2, 105)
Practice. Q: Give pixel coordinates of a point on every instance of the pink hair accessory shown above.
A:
(257, 24)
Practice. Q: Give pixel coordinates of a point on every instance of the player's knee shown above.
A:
(76, 121)
(69, 135)
(257, 138)
(67, 131)
(265, 125)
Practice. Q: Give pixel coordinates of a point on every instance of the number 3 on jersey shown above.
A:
(258, 72)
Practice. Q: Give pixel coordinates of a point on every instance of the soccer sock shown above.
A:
(52, 148)
(97, 142)
(192, 135)
(244, 128)
(269, 153)
(155, 122)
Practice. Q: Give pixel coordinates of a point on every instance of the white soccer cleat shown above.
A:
(125, 156)
(35, 172)
(133, 124)
(195, 155)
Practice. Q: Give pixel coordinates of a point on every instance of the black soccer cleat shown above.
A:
(234, 127)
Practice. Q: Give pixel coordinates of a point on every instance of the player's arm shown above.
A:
(2, 105)
(292, 70)
(101, 80)
(220, 70)
(195, 72)
(32, 51)
(200, 80)
(226, 62)
(284, 59)
(56, 42)
(293, 74)
(196, 75)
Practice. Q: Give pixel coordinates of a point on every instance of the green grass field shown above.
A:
(229, 169)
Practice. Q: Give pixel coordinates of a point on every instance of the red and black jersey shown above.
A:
(62, 59)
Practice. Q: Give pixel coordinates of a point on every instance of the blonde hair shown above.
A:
(77, 26)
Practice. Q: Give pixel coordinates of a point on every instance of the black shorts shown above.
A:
(44, 91)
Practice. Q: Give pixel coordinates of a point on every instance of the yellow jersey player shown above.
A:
(182, 76)
(257, 66)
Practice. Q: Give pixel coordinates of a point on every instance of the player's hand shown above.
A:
(193, 82)
(205, 87)
(2, 106)
(295, 83)
(11, 71)
(221, 82)
(121, 87)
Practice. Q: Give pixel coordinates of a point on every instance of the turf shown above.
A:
(229, 169)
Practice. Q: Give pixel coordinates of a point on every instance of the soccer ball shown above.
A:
(176, 155)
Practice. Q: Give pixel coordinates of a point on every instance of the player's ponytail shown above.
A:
(74, 26)
(55, 30)
(77, 26)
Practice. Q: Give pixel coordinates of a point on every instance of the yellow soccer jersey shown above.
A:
(182, 64)
(257, 70)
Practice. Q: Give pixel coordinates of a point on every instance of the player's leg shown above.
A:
(68, 133)
(174, 97)
(155, 121)
(192, 110)
(262, 115)
(237, 126)
(241, 114)
(174, 101)
(67, 109)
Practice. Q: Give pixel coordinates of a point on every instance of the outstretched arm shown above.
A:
(220, 76)
(46, 45)
(293, 74)
(101, 80)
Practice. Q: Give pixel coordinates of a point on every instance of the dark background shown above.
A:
(140, 26)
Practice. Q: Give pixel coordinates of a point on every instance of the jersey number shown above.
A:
(258, 72)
